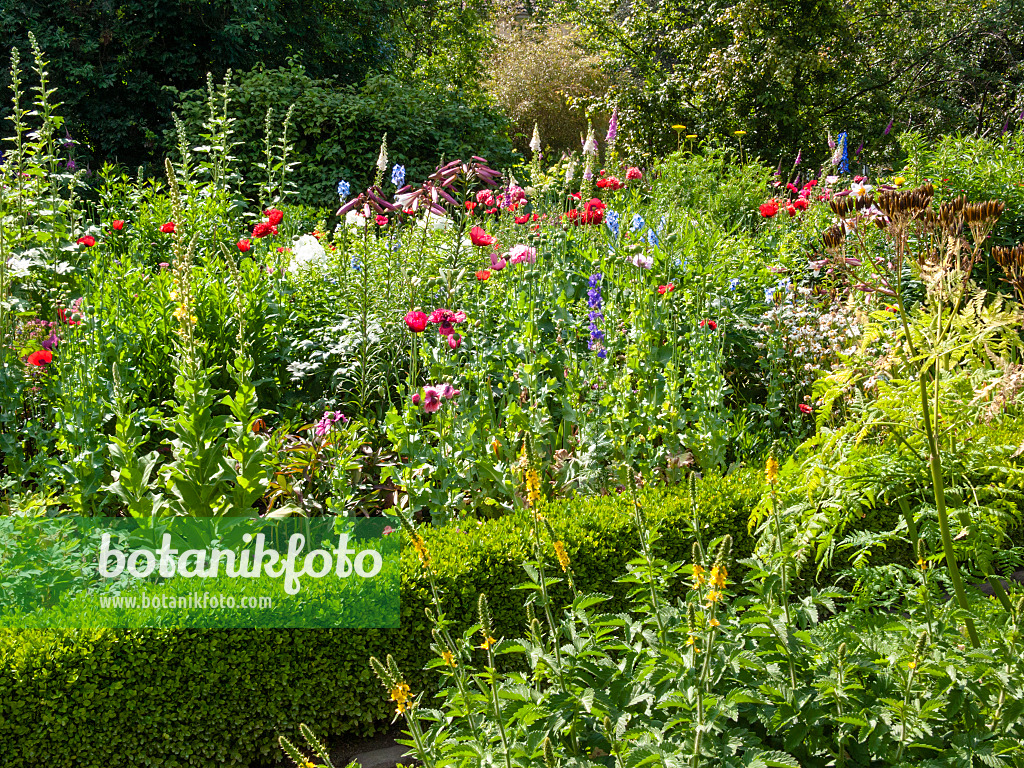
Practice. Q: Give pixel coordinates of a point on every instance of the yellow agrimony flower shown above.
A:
(771, 470)
(713, 596)
(421, 550)
(718, 574)
(401, 694)
(449, 658)
(713, 622)
(698, 575)
(533, 497)
(692, 641)
(563, 558)
(899, 181)
(487, 643)
(922, 564)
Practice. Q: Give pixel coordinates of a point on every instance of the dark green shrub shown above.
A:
(216, 698)
(337, 128)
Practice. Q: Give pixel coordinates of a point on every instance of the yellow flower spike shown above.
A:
(718, 574)
(698, 575)
(449, 658)
(771, 470)
(533, 496)
(421, 550)
(487, 643)
(692, 642)
(713, 596)
(401, 695)
(563, 558)
(713, 622)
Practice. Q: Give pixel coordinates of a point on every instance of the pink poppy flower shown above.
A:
(416, 321)
(431, 399)
(522, 254)
(497, 262)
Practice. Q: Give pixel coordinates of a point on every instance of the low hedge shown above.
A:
(92, 699)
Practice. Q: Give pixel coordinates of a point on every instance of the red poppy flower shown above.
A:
(454, 341)
(768, 209)
(804, 408)
(663, 289)
(470, 205)
(801, 204)
(263, 229)
(40, 357)
(483, 274)
(274, 216)
(709, 324)
(244, 245)
(66, 318)
(167, 228)
(382, 221)
(791, 210)
(88, 241)
(633, 174)
(416, 321)
(117, 224)
(480, 237)
(522, 219)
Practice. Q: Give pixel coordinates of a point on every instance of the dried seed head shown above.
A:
(833, 237)
(919, 648)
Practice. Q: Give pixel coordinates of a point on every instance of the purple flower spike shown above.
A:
(888, 128)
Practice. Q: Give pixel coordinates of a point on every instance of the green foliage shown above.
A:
(337, 127)
(220, 697)
(119, 64)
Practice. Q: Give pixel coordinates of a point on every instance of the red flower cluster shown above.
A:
(592, 213)
(610, 183)
(663, 289)
(709, 324)
(483, 274)
(633, 174)
(804, 408)
(268, 227)
(768, 209)
(87, 240)
(526, 218)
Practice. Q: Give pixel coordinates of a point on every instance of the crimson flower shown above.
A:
(274, 216)
(445, 320)
(117, 224)
(709, 324)
(768, 209)
(470, 205)
(611, 183)
(416, 321)
(40, 357)
(87, 240)
(801, 204)
(633, 174)
(244, 245)
(483, 274)
(805, 408)
(522, 219)
(167, 228)
(480, 237)
(263, 229)
(663, 289)
(66, 318)
(382, 221)
(454, 341)
(791, 210)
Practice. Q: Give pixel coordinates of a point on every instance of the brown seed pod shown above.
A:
(842, 206)
(833, 237)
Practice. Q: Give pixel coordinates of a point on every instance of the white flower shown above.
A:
(642, 260)
(535, 141)
(382, 159)
(434, 221)
(858, 189)
(590, 145)
(355, 219)
(306, 250)
(19, 267)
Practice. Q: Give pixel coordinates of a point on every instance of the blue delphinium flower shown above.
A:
(398, 175)
(611, 218)
(734, 284)
(841, 150)
(343, 188)
(595, 303)
(652, 237)
(357, 265)
(769, 295)
(637, 223)
(662, 223)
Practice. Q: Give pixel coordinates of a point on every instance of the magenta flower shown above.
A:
(416, 321)
(454, 341)
(431, 399)
(497, 262)
(445, 320)
(448, 391)
(328, 421)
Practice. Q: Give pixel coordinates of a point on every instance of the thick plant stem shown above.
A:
(939, 489)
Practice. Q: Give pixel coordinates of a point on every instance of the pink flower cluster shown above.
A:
(431, 396)
(325, 424)
(444, 319)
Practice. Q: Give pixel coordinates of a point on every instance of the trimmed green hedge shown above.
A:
(94, 699)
